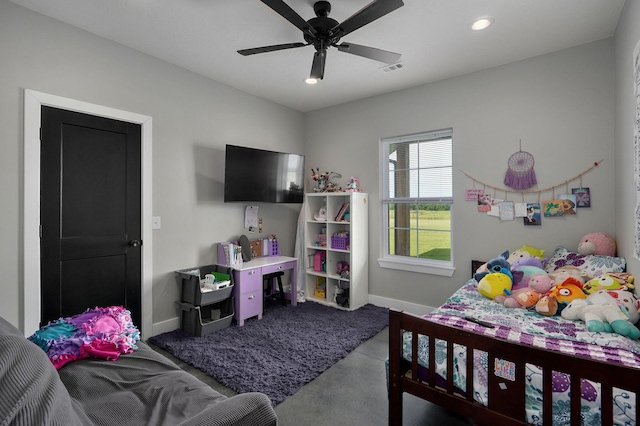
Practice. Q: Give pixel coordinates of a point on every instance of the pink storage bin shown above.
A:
(318, 260)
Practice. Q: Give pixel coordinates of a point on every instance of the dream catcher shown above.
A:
(520, 173)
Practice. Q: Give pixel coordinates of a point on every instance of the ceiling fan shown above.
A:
(323, 32)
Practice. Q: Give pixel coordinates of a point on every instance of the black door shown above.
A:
(90, 214)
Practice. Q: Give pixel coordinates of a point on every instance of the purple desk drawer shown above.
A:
(248, 305)
(248, 294)
(279, 267)
(249, 280)
(252, 304)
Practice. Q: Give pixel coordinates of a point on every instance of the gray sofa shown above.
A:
(141, 388)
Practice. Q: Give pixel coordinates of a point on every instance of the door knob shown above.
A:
(135, 243)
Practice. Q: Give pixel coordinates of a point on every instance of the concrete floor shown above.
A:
(352, 392)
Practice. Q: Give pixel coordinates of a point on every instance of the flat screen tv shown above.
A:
(257, 175)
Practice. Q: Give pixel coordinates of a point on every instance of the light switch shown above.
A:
(155, 222)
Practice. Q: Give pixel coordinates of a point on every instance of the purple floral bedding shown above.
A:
(529, 327)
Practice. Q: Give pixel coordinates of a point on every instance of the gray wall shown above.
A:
(627, 37)
(560, 105)
(193, 119)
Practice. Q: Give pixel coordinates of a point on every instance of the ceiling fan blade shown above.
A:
(253, 51)
(282, 9)
(374, 10)
(317, 67)
(370, 52)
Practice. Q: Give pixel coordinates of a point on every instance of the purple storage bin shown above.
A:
(274, 248)
(340, 243)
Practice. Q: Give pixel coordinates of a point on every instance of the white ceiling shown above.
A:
(432, 36)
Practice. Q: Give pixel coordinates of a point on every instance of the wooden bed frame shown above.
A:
(506, 400)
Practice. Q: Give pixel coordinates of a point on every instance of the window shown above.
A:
(416, 202)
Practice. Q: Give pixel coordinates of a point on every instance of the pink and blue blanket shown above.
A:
(103, 333)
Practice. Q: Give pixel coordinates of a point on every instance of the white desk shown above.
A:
(248, 281)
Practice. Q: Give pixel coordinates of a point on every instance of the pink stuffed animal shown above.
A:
(529, 296)
(598, 243)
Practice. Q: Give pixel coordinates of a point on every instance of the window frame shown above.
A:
(407, 263)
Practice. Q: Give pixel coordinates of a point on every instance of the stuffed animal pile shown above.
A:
(507, 278)
(560, 295)
(529, 296)
(605, 303)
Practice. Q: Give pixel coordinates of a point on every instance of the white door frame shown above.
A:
(33, 101)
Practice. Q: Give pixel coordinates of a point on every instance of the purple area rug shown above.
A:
(277, 355)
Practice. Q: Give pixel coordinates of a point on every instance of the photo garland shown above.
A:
(559, 205)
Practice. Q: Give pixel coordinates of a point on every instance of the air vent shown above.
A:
(393, 67)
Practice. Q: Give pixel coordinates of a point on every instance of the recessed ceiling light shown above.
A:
(481, 23)
(311, 80)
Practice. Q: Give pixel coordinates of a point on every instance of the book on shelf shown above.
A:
(342, 211)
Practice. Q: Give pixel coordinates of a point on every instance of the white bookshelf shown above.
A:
(356, 254)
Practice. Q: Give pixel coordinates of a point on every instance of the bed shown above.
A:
(526, 369)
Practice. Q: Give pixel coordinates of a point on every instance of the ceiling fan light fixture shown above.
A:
(481, 23)
(323, 32)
